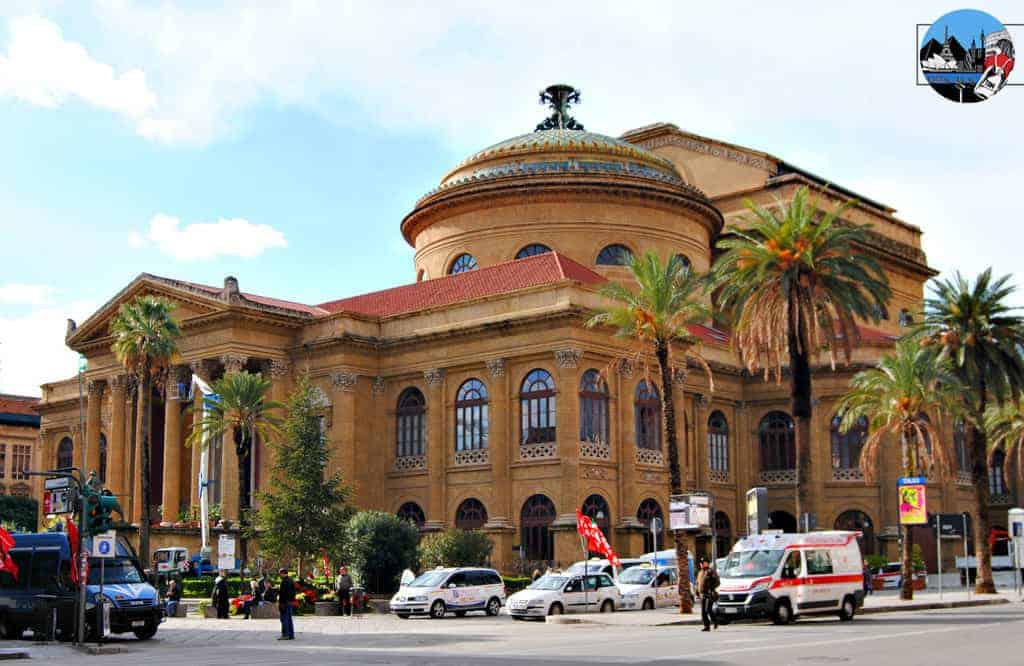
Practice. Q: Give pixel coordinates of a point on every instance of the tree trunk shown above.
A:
(668, 412)
(985, 584)
(243, 447)
(146, 400)
(800, 403)
(907, 566)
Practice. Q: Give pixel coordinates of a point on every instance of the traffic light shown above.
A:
(96, 509)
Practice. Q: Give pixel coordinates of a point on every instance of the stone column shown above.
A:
(702, 411)
(173, 444)
(621, 426)
(383, 439)
(684, 429)
(500, 448)
(116, 449)
(436, 458)
(343, 425)
(280, 377)
(93, 425)
(135, 471)
(567, 423)
(229, 457)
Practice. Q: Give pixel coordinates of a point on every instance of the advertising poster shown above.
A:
(912, 501)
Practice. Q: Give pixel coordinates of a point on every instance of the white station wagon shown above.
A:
(645, 588)
(457, 590)
(557, 593)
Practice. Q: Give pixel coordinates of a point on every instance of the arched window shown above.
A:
(881, 312)
(471, 416)
(535, 519)
(777, 434)
(647, 413)
(723, 534)
(462, 264)
(718, 442)
(103, 458)
(593, 408)
(412, 512)
(648, 511)
(471, 515)
(858, 521)
(996, 480)
(846, 446)
(410, 423)
(614, 255)
(782, 520)
(531, 250)
(65, 453)
(906, 319)
(596, 508)
(683, 261)
(537, 407)
(963, 460)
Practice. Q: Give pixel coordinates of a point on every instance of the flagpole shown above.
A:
(586, 563)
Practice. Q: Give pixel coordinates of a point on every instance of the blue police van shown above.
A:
(44, 586)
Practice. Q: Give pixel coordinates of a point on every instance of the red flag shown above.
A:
(7, 562)
(595, 539)
(72, 531)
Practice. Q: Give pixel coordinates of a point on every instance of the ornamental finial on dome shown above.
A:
(559, 97)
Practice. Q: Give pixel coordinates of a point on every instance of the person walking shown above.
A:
(707, 587)
(221, 598)
(868, 582)
(343, 589)
(173, 597)
(285, 598)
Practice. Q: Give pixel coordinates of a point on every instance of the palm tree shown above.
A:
(145, 342)
(895, 397)
(657, 316)
(794, 281)
(241, 409)
(977, 332)
(1004, 425)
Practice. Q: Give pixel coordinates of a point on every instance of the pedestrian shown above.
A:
(285, 598)
(707, 587)
(343, 588)
(868, 582)
(220, 595)
(256, 598)
(536, 575)
(173, 597)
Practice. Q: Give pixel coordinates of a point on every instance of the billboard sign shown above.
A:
(757, 511)
(689, 512)
(913, 501)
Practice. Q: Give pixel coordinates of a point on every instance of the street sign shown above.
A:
(689, 512)
(57, 501)
(105, 545)
(913, 503)
(950, 524)
(757, 511)
(226, 552)
(59, 482)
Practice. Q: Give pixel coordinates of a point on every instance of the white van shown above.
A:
(782, 576)
(644, 588)
(457, 590)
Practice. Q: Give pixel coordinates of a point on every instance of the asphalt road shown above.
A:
(989, 636)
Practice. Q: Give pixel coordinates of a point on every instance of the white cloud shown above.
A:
(32, 347)
(14, 293)
(44, 69)
(234, 237)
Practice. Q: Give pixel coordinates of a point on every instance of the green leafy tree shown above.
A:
(1004, 425)
(146, 342)
(977, 332)
(456, 548)
(380, 546)
(657, 315)
(19, 513)
(242, 411)
(793, 281)
(305, 511)
(895, 398)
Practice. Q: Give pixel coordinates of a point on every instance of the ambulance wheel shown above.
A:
(493, 606)
(437, 610)
(460, 613)
(556, 609)
(648, 604)
(847, 610)
(783, 613)
(608, 606)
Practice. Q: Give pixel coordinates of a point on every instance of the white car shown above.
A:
(457, 590)
(602, 566)
(645, 587)
(557, 593)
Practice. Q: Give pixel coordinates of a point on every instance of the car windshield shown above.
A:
(751, 563)
(117, 570)
(637, 576)
(162, 556)
(429, 579)
(548, 583)
(591, 567)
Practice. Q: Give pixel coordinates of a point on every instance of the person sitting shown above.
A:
(256, 592)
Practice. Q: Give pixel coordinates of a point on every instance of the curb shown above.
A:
(15, 653)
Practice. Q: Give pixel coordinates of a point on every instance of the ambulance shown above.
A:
(784, 576)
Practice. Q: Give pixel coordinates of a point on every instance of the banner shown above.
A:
(595, 539)
(912, 500)
(204, 474)
(7, 563)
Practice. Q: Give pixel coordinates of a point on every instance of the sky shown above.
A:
(283, 142)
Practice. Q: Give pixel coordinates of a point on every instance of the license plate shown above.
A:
(731, 611)
(138, 623)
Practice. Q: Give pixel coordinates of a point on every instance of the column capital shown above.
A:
(625, 368)
(496, 366)
(344, 381)
(679, 376)
(117, 383)
(434, 377)
(568, 358)
(379, 385)
(201, 368)
(233, 362)
(280, 367)
(176, 376)
(703, 400)
(95, 387)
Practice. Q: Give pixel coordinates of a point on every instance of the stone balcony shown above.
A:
(595, 451)
(847, 474)
(410, 463)
(538, 451)
(472, 457)
(650, 457)
(777, 477)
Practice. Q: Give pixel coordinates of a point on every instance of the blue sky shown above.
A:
(138, 136)
(965, 25)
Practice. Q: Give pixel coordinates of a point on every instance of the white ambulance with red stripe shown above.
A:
(783, 576)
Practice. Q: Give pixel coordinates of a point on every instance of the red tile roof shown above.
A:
(255, 298)
(503, 278)
(17, 404)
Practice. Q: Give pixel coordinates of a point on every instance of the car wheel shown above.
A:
(722, 620)
(783, 613)
(460, 613)
(608, 606)
(847, 610)
(146, 632)
(556, 609)
(403, 616)
(437, 610)
(493, 606)
(9, 631)
(648, 604)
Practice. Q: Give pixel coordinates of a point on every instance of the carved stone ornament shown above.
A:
(201, 368)
(496, 366)
(117, 382)
(379, 385)
(95, 387)
(280, 367)
(233, 362)
(345, 381)
(704, 400)
(679, 376)
(434, 376)
(595, 473)
(568, 358)
(625, 368)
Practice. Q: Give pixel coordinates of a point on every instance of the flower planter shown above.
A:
(325, 608)
(210, 612)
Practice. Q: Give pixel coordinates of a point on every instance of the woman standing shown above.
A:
(220, 595)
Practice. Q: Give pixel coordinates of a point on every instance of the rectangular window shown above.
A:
(3, 460)
(21, 461)
(819, 562)
(44, 570)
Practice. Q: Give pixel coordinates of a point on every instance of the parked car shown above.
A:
(457, 590)
(557, 593)
(644, 587)
(595, 565)
(891, 575)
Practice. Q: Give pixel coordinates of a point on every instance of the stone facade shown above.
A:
(19, 446)
(394, 368)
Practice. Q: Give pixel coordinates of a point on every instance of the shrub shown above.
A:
(514, 584)
(19, 512)
(202, 587)
(380, 546)
(876, 561)
(455, 548)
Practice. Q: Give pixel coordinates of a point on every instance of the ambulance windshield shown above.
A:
(751, 563)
